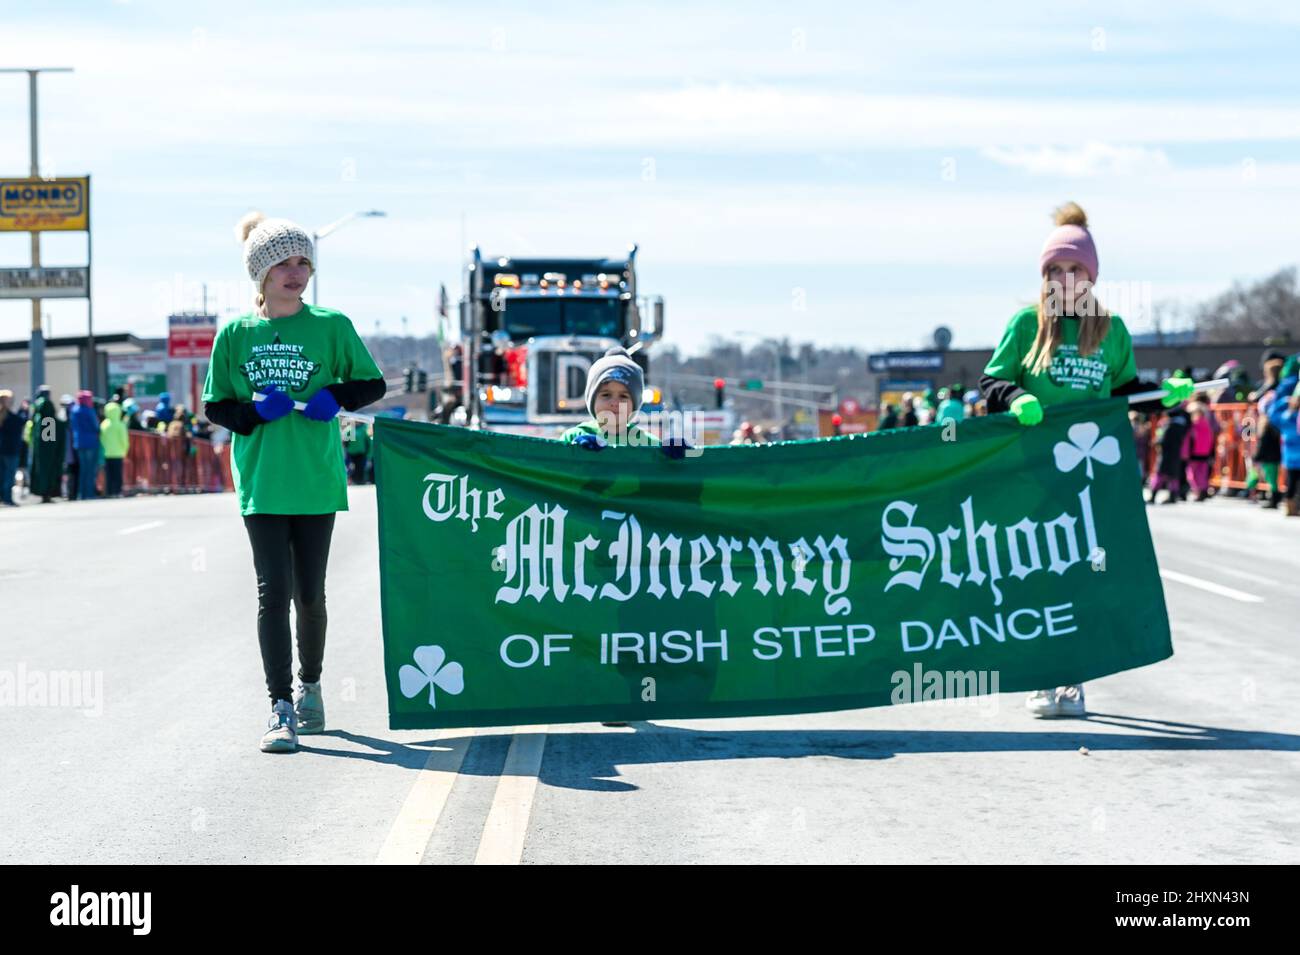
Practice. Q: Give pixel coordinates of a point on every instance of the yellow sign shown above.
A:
(44, 205)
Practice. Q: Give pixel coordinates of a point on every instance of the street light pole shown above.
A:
(36, 351)
(326, 230)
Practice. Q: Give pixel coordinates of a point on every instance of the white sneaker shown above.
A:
(1042, 703)
(309, 708)
(281, 735)
(1069, 700)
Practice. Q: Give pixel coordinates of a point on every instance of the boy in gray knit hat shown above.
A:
(614, 387)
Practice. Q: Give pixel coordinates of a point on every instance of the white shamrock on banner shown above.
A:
(1084, 446)
(429, 671)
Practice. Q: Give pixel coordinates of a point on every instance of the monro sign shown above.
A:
(44, 205)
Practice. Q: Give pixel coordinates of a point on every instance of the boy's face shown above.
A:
(613, 399)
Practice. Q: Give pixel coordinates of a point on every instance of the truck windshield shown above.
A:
(526, 317)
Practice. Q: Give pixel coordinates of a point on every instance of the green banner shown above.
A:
(529, 581)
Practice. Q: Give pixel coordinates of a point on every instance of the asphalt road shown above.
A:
(1196, 759)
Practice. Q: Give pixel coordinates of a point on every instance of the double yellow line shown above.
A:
(506, 826)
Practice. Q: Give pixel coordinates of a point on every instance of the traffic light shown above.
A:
(720, 390)
(422, 380)
(408, 377)
(836, 422)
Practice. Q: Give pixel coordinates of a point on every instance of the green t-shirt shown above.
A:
(360, 440)
(635, 436)
(292, 465)
(1071, 376)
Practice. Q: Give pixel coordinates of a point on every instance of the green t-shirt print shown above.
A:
(292, 465)
(1071, 376)
(279, 363)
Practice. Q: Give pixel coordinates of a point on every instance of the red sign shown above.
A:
(190, 336)
(850, 408)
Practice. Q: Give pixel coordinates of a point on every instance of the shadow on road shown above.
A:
(590, 761)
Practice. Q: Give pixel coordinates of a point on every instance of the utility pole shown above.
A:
(780, 406)
(37, 348)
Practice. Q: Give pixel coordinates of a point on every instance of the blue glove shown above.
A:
(321, 406)
(276, 405)
(591, 442)
(674, 448)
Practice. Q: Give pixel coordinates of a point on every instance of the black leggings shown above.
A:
(290, 552)
(112, 477)
(1292, 483)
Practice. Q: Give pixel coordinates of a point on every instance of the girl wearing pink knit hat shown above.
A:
(1066, 348)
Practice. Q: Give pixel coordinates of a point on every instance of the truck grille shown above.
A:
(557, 379)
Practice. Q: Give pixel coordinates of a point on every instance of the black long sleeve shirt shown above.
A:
(241, 417)
(999, 393)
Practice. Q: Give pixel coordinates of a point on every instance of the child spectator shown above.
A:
(1198, 449)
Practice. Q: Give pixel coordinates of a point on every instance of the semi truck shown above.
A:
(531, 327)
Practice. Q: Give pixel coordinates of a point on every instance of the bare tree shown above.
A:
(1266, 310)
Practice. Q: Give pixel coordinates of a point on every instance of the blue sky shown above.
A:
(831, 172)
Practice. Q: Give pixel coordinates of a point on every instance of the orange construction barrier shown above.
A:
(1235, 446)
(1238, 430)
(157, 464)
(1234, 458)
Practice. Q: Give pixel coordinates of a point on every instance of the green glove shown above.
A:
(1027, 409)
(1178, 390)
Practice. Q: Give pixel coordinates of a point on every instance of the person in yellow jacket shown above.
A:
(115, 440)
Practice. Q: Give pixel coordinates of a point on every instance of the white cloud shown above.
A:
(1146, 229)
(188, 114)
(1090, 160)
(422, 79)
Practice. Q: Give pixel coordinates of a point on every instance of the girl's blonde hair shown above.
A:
(1093, 327)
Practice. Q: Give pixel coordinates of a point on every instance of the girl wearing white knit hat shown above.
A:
(288, 466)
